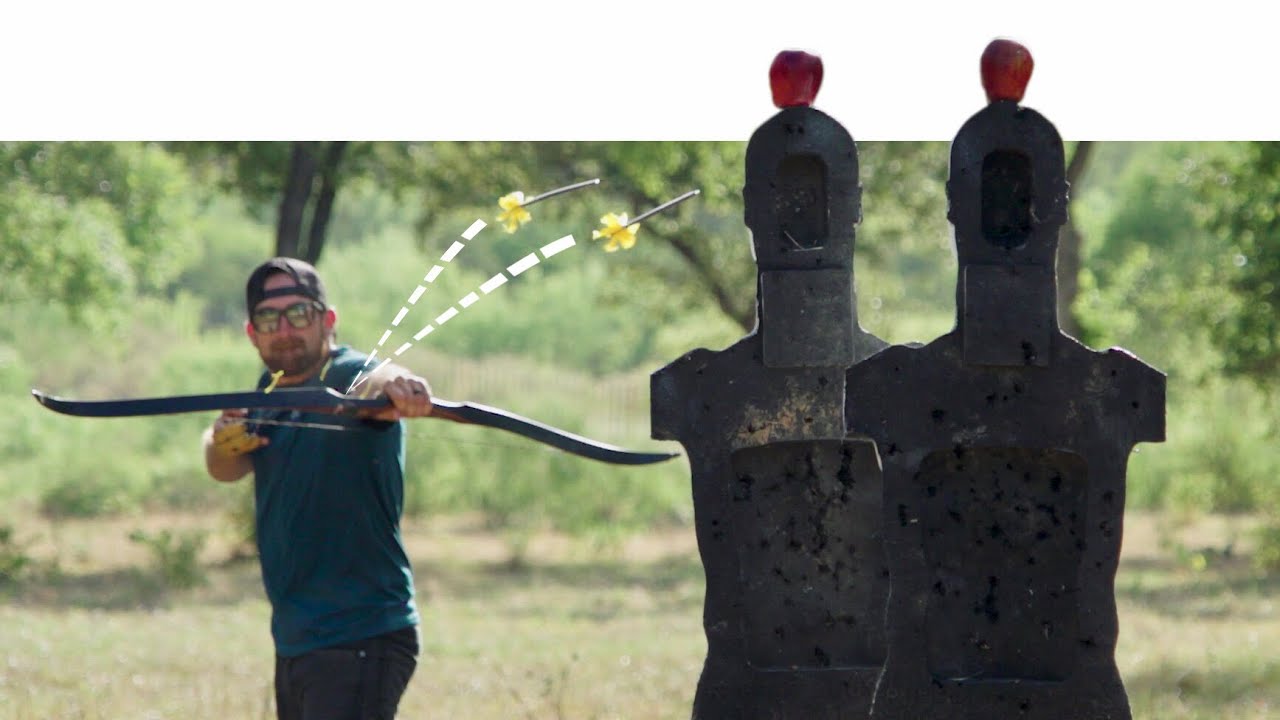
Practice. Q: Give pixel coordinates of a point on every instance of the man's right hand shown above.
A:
(231, 438)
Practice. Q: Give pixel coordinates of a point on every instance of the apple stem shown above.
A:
(559, 191)
(662, 207)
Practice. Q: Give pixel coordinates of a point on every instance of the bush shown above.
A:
(85, 497)
(1219, 455)
(175, 556)
(241, 521)
(14, 560)
(1267, 556)
(521, 486)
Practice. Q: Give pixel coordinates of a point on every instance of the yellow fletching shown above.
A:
(275, 378)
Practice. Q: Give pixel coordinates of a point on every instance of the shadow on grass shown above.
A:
(1225, 589)
(133, 589)
(599, 588)
(673, 584)
(1218, 688)
(668, 582)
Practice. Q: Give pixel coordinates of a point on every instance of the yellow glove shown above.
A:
(233, 439)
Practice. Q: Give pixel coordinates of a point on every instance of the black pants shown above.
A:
(357, 681)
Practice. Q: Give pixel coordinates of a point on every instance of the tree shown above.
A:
(1069, 246)
(700, 239)
(298, 181)
(1240, 203)
(705, 249)
(88, 224)
(1152, 276)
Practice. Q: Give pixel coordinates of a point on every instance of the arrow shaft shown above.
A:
(663, 206)
(559, 191)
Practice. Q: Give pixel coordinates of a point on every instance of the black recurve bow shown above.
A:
(330, 401)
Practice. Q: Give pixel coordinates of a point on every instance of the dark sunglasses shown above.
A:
(300, 315)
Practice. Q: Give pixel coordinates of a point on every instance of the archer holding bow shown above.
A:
(327, 509)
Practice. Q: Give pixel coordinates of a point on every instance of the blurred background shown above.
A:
(542, 576)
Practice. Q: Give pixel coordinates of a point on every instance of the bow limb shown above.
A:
(476, 414)
(307, 399)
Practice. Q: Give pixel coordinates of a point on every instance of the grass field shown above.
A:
(573, 631)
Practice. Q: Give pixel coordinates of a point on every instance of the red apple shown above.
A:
(1006, 68)
(794, 78)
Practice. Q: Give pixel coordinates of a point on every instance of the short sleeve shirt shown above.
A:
(328, 505)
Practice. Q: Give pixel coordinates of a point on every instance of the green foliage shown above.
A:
(78, 467)
(109, 467)
(87, 224)
(253, 170)
(904, 237)
(1217, 457)
(572, 341)
(1152, 278)
(241, 524)
(52, 252)
(83, 493)
(547, 314)
(15, 562)
(1158, 281)
(521, 487)
(694, 254)
(1240, 204)
(230, 245)
(291, 185)
(175, 555)
(1267, 555)
(697, 256)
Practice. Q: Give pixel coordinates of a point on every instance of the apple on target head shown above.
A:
(794, 78)
(1006, 67)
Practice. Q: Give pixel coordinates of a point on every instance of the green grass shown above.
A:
(576, 630)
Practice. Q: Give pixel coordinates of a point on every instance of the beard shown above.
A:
(294, 356)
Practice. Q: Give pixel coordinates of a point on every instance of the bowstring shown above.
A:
(416, 435)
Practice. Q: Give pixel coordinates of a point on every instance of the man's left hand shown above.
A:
(410, 397)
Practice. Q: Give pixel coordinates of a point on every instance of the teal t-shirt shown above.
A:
(327, 510)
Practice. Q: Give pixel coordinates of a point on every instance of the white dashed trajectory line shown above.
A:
(448, 256)
(446, 316)
(522, 264)
(489, 286)
(493, 283)
(563, 243)
(470, 232)
(452, 252)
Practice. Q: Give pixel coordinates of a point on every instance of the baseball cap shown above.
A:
(306, 282)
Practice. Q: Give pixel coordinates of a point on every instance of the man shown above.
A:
(327, 509)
